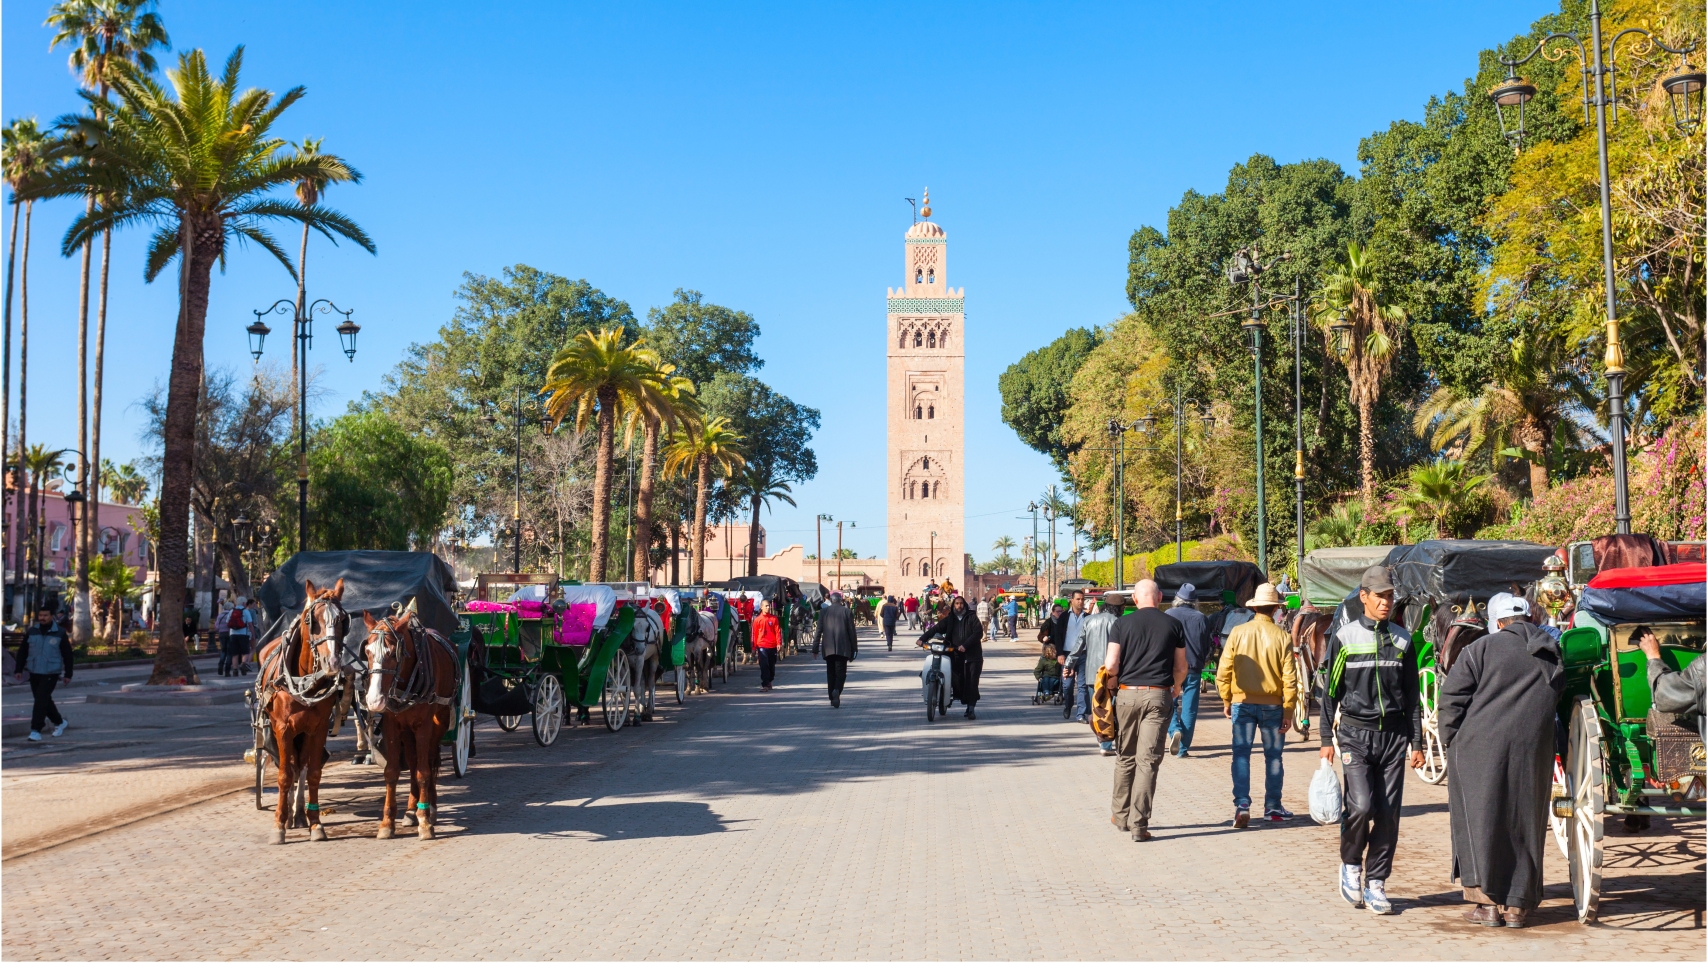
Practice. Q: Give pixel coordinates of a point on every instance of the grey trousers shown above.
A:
(1141, 727)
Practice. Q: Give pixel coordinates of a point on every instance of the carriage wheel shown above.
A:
(548, 710)
(1304, 677)
(509, 723)
(1560, 825)
(681, 684)
(460, 749)
(1586, 783)
(1434, 756)
(260, 776)
(614, 698)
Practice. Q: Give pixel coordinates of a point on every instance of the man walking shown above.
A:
(1147, 658)
(1012, 613)
(839, 642)
(1094, 639)
(1372, 684)
(1071, 628)
(984, 616)
(45, 657)
(1497, 725)
(1197, 628)
(888, 614)
(911, 607)
(1256, 681)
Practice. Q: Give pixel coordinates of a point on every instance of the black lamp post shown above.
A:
(1180, 408)
(1118, 507)
(516, 505)
(1684, 92)
(303, 330)
(1242, 269)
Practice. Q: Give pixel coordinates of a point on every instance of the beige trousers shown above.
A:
(1141, 728)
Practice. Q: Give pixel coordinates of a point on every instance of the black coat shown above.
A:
(1496, 716)
(836, 634)
(959, 630)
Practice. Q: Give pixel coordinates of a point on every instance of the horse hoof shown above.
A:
(426, 831)
(409, 818)
(276, 837)
(317, 833)
(384, 833)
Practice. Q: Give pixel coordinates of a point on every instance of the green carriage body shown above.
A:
(518, 646)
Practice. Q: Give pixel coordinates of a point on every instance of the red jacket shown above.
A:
(766, 633)
(910, 604)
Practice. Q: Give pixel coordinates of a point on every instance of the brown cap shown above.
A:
(1376, 580)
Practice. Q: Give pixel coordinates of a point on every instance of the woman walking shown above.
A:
(767, 634)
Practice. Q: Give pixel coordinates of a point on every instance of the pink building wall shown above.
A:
(121, 534)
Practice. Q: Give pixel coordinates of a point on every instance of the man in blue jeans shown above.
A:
(1012, 612)
(1197, 628)
(1256, 681)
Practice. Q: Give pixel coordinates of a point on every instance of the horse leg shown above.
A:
(426, 762)
(388, 814)
(314, 761)
(408, 749)
(287, 763)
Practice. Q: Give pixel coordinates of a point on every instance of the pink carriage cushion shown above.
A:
(575, 627)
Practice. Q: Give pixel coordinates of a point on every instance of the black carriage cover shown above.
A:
(1453, 567)
(814, 593)
(769, 586)
(1211, 579)
(372, 582)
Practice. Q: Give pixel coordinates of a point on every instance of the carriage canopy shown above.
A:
(372, 582)
(1331, 574)
(1239, 578)
(1453, 567)
(1658, 593)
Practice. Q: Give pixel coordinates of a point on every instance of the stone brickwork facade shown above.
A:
(927, 411)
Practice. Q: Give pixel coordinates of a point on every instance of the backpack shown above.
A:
(236, 620)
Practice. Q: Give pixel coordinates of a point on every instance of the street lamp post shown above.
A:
(1118, 448)
(818, 524)
(1684, 92)
(1242, 269)
(1179, 409)
(302, 329)
(931, 557)
(1033, 508)
(839, 552)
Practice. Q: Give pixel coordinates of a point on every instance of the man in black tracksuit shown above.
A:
(1373, 686)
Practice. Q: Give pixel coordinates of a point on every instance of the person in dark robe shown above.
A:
(961, 630)
(839, 642)
(1496, 716)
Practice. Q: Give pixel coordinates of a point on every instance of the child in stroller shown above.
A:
(1048, 672)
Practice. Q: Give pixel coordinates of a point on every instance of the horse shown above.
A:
(414, 710)
(702, 642)
(299, 685)
(645, 657)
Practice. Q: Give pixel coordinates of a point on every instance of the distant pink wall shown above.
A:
(121, 525)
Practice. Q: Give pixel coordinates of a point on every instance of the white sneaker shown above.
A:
(1174, 743)
(1376, 897)
(59, 730)
(1352, 884)
(35, 736)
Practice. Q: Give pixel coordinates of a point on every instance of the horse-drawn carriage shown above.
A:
(786, 598)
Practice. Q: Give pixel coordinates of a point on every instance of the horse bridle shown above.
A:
(422, 685)
(302, 688)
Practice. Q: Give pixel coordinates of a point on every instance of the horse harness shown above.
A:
(312, 689)
(422, 686)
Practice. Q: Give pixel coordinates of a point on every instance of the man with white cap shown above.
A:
(1259, 688)
(1371, 703)
(1496, 716)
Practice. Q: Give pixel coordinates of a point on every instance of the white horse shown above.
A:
(644, 657)
(702, 643)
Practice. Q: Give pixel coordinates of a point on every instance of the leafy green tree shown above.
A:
(200, 161)
(774, 429)
(1035, 392)
(759, 483)
(703, 339)
(374, 485)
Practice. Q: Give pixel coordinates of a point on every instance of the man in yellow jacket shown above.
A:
(1258, 687)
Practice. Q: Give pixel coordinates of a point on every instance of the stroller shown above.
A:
(1049, 686)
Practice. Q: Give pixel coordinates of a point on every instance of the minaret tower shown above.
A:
(927, 372)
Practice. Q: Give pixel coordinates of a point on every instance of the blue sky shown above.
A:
(760, 154)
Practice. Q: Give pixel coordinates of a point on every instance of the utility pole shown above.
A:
(818, 548)
(933, 557)
(839, 553)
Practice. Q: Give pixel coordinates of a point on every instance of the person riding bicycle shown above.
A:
(961, 631)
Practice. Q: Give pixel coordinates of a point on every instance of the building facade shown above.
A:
(926, 357)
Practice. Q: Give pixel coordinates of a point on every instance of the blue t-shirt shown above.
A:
(1013, 607)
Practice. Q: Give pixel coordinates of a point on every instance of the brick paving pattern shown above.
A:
(767, 825)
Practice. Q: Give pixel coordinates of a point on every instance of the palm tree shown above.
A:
(112, 583)
(1533, 397)
(198, 161)
(668, 404)
(1338, 529)
(24, 153)
(595, 376)
(1003, 545)
(759, 484)
(707, 448)
(1371, 345)
(102, 34)
(127, 484)
(1436, 491)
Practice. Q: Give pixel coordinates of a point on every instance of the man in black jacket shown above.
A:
(1497, 725)
(44, 656)
(888, 615)
(1373, 683)
(839, 642)
(961, 630)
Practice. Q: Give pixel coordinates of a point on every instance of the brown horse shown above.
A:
(412, 678)
(299, 684)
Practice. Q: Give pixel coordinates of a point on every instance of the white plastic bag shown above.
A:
(1325, 795)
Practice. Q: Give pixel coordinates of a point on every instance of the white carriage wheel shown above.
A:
(548, 709)
(614, 698)
(1560, 825)
(465, 729)
(509, 723)
(1434, 756)
(1589, 804)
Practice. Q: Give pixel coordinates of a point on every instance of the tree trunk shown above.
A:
(178, 441)
(676, 552)
(643, 504)
(1532, 436)
(753, 539)
(81, 626)
(602, 466)
(20, 552)
(1367, 452)
(703, 484)
(225, 543)
(93, 505)
(6, 382)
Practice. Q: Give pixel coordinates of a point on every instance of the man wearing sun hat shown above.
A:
(1258, 687)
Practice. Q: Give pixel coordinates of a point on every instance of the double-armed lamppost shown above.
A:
(513, 529)
(1242, 269)
(1118, 506)
(1182, 405)
(1684, 92)
(303, 330)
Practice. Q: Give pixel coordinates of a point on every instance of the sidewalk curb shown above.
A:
(53, 839)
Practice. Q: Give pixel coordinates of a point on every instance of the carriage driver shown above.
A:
(1373, 685)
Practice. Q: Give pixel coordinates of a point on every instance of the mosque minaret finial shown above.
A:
(925, 209)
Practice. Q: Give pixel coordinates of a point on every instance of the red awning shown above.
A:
(1684, 573)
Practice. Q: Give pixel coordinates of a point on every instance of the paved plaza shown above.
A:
(755, 825)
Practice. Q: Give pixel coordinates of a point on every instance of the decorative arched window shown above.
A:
(918, 340)
(925, 569)
(931, 276)
(918, 276)
(907, 566)
(931, 340)
(917, 414)
(930, 411)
